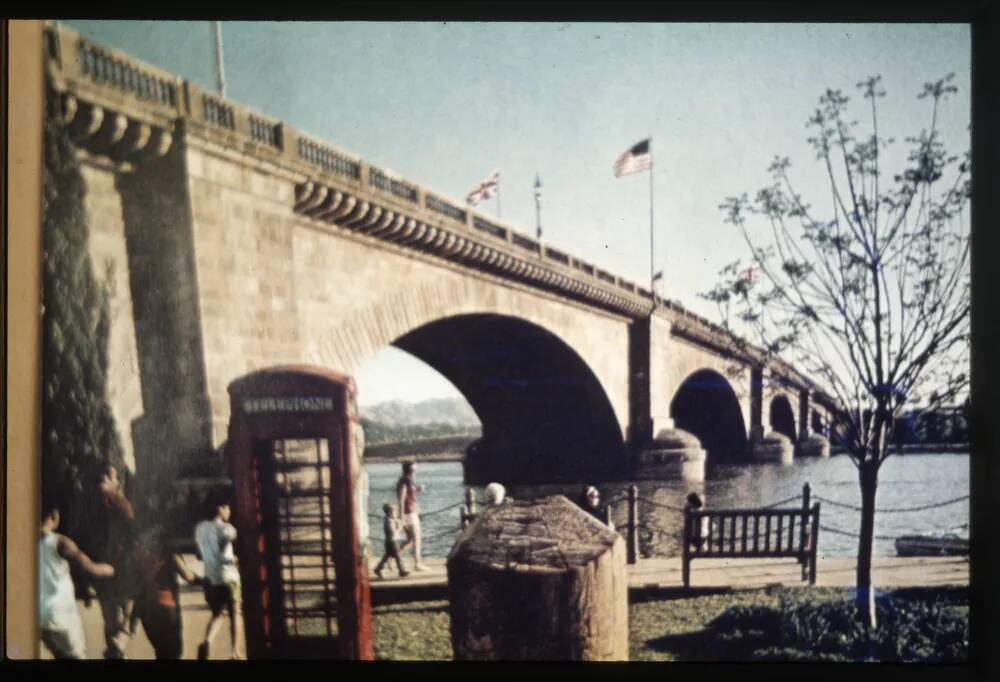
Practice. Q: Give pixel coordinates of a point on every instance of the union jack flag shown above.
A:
(485, 189)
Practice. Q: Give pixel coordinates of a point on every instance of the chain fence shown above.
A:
(924, 507)
(649, 530)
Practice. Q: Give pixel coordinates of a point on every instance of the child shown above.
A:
(214, 538)
(391, 526)
(59, 623)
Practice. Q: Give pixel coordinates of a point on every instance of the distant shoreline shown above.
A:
(432, 457)
(450, 448)
(918, 449)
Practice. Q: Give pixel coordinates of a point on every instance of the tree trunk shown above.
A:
(865, 595)
(538, 580)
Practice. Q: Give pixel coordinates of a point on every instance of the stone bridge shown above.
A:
(230, 241)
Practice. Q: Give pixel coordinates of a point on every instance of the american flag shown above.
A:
(638, 158)
(485, 189)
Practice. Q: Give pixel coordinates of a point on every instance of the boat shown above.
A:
(946, 544)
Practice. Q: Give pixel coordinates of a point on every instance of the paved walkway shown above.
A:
(657, 573)
(665, 572)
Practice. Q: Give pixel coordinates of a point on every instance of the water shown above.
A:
(904, 481)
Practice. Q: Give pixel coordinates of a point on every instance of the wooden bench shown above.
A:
(751, 534)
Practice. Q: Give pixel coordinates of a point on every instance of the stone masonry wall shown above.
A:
(675, 360)
(277, 288)
(109, 255)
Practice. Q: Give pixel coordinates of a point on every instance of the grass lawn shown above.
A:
(667, 629)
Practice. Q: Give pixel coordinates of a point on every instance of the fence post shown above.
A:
(686, 547)
(469, 511)
(815, 544)
(803, 534)
(632, 542)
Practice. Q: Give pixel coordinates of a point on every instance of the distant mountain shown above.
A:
(450, 411)
(396, 421)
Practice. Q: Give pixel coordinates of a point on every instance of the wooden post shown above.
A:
(632, 545)
(469, 511)
(803, 532)
(686, 547)
(815, 543)
(538, 580)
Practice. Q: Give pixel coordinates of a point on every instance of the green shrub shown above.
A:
(78, 432)
(801, 628)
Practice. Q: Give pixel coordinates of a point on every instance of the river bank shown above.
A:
(449, 448)
(917, 449)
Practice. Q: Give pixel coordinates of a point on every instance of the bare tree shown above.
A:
(872, 301)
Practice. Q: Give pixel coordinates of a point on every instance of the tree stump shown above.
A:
(538, 580)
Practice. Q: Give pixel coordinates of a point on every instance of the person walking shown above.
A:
(214, 538)
(590, 502)
(115, 596)
(406, 491)
(157, 606)
(59, 624)
(391, 528)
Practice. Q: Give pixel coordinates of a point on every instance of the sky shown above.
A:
(445, 104)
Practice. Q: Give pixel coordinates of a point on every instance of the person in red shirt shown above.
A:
(157, 605)
(115, 595)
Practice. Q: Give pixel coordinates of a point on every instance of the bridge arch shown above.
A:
(782, 417)
(545, 415)
(707, 406)
(817, 424)
(376, 317)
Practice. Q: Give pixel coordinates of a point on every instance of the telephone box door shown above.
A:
(300, 512)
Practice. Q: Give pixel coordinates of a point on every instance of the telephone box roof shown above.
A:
(290, 378)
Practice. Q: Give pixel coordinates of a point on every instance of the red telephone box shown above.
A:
(294, 454)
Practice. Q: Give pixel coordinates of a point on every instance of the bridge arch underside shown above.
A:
(816, 422)
(782, 418)
(706, 406)
(544, 414)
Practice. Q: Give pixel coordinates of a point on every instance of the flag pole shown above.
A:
(498, 196)
(652, 268)
(538, 206)
(219, 71)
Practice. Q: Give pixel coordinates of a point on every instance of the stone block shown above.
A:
(773, 447)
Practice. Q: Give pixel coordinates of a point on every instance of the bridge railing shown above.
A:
(117, 78)
(112, 78)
